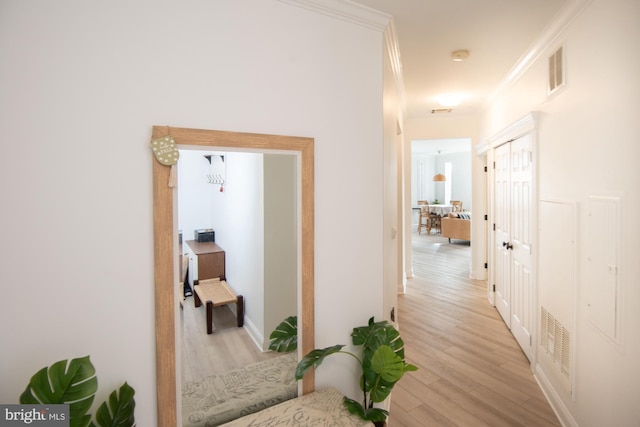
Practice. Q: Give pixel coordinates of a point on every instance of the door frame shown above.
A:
(525, 125)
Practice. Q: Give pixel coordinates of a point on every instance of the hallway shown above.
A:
(472, 372)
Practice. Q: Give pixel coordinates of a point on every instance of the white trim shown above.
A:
(518, 128)
(558, 406)
(481, 149)
(393, 50)
(255, 335)
(346, 10)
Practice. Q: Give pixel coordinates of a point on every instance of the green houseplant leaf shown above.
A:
(72, 383)
(387, 364)
(119, 412)
(315, 357)
(370, 414)
(285, 337)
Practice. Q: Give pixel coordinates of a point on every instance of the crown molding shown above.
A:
(346, 10)
(527, 123)
(393, 52)
(561, 21)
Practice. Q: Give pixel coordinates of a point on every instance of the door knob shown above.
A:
(507, 245)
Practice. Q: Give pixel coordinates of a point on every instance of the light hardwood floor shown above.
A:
(227, 348)
(472, 372)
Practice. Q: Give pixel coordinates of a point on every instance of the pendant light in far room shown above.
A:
(439, 177)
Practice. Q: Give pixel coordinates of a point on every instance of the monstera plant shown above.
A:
(74, 383)
(381, 359)
(284, 338)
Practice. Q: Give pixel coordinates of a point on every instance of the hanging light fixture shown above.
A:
(439, 177)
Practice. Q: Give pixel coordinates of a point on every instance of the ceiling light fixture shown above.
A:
(450, 99)
(459, 55)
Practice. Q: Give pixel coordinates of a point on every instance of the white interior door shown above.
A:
(513, 207)
(522, 321)
(502, 234)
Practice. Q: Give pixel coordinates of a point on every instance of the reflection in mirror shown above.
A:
(165, 250)
(237, 213)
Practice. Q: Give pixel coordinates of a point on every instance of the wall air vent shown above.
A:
(556, 70)
(556, 341)
(441, 110)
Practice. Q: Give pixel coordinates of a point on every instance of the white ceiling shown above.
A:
(497, 33)
(441, 146)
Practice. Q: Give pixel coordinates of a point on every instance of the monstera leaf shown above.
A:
(73, 383)
(386, 369)
(119, 412)
(369, 414)
(315, 357)
(285, 337)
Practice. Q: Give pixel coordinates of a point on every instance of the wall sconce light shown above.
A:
(439, 177)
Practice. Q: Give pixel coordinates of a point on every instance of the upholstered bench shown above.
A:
(320, 408)
(214, 293)
(220, 398)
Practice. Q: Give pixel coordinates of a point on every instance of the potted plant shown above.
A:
(74, 383)
(381, 359)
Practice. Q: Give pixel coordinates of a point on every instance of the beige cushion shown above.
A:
(320, 408)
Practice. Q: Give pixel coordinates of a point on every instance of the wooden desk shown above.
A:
(206, 260)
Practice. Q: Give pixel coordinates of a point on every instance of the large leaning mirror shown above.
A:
(166, 251)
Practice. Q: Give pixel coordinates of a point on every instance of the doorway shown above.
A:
(452, 158)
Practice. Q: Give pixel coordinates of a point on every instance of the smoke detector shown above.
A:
(459, 55)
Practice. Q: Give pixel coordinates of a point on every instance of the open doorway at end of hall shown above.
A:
(441, 171)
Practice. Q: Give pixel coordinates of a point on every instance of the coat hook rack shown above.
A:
(217, 170)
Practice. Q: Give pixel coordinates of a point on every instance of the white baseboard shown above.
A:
(558, 406)
(257, 337)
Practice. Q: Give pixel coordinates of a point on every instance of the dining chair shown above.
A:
(457, 206)
(428, 220)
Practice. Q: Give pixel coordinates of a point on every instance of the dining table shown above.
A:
(442, 210)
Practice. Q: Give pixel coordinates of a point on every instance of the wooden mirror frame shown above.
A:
(165, 250)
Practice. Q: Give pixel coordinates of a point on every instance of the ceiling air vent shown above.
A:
(556, 71)
(441, 110)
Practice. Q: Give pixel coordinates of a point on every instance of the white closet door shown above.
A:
(502, 215)
(513, 206)
(522, 319)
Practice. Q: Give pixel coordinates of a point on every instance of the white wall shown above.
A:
(81, 86)
(280, 240)
(588, 145)
(194, 193)
(391, 234)
(238, 219)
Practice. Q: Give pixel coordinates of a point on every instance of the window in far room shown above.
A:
(448, 169)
